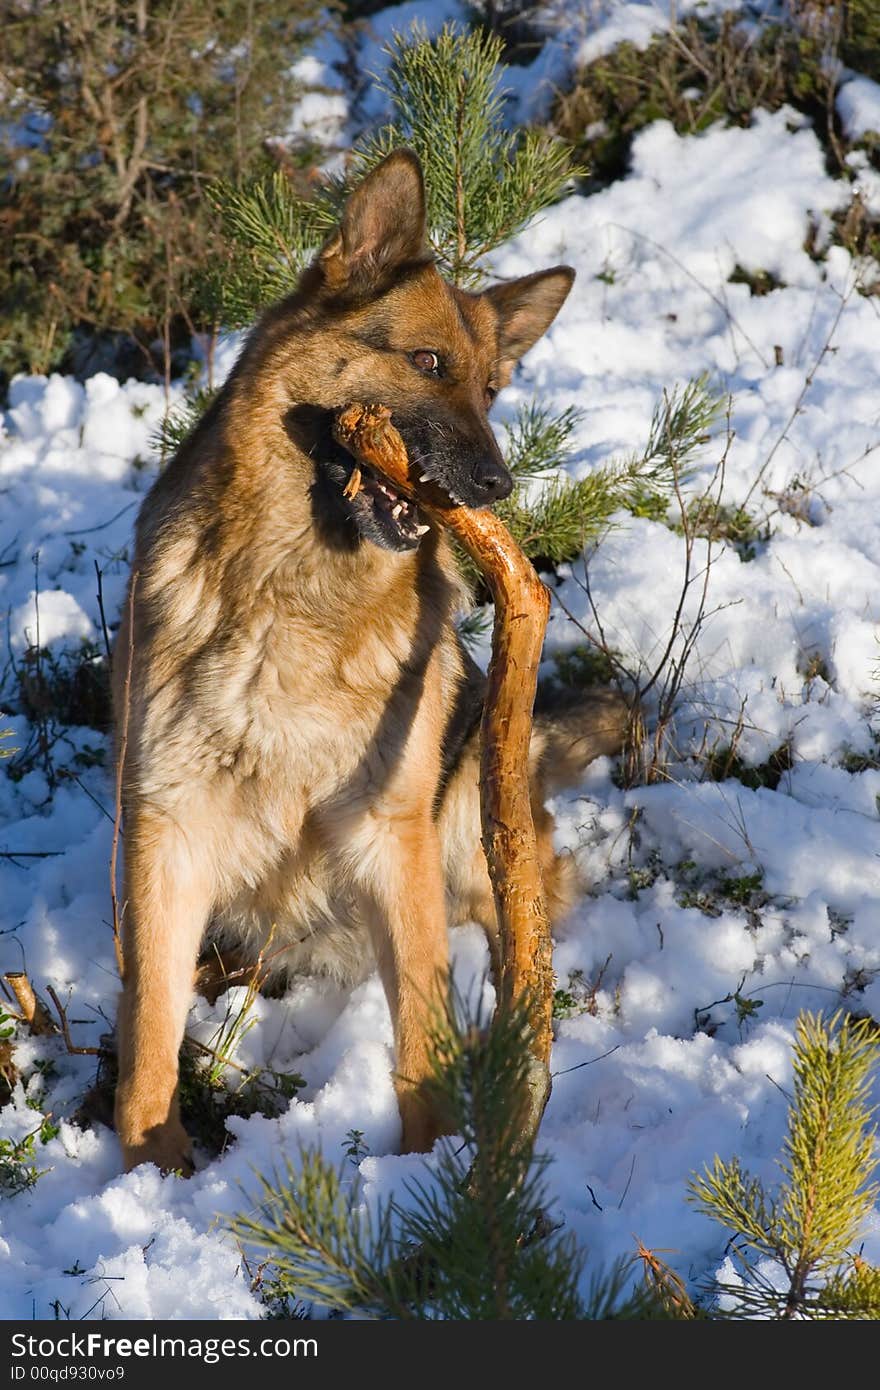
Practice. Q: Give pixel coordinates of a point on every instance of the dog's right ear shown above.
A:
(383, 225)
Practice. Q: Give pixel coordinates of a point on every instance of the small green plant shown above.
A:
(860, 33)
(723, 762)
(741, 889)
(271, 231)
(355, 1147)
(702, 70)
(710, 893)
(213, 1084)
(734, 525)
(583, 666)
(746, 1009)
(567, 1002)
(579, 996)
(8, 1068)
(18, 1159)
(180, 421)
(55, 689)
(539, 442)
(854, 762)
(474, 626)
(760, 282)
(809, 1228)
(210, 1094)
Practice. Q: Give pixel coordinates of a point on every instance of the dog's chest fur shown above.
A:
(285, 688)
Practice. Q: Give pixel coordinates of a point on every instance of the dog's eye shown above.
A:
(426, 361)
(489, 395)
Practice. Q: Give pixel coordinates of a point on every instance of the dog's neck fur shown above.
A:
(252, 496)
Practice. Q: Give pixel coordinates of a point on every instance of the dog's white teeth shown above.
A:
(426, 478)
(420, 530)
(395, 511)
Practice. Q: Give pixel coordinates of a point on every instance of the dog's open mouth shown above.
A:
(381, 513)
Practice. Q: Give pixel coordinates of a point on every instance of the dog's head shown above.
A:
(392, 330)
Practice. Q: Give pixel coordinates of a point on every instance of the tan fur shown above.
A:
(290, 695)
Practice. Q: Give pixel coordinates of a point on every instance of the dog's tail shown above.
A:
(571, 730)
(568, 733)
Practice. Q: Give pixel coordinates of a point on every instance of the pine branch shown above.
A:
(553, 518)
(271, 233)
(180, 421)
(827, 1191)
(484, 182)
(467, 1241)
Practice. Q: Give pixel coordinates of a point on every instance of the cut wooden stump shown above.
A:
(522, 604)
(33, 1011)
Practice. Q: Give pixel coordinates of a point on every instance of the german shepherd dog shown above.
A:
(302, 722)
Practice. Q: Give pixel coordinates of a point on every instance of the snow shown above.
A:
(858, 105)
(657, 1076)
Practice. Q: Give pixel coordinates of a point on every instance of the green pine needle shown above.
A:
(470, 1239)
(827, 1191)
(553, 518)
(484, 182)
(180, 421)
(272, 234)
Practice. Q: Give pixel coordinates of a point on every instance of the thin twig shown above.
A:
(65, 1030)
(725, 309)
(218, 1057)
(632, 1169)
(120, 766)
(808, 381)
(88, 530)
(588, 1063)
(100, 577)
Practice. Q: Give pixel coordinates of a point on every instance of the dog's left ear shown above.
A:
(526, 308)
(383, 224)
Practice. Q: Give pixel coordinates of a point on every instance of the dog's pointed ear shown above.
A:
(526, 308)
(383, 224)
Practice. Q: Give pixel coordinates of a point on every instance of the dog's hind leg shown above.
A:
(168, 899)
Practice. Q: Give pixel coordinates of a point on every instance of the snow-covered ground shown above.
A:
(656, 1076)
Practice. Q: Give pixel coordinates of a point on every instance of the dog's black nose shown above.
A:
(492, 481)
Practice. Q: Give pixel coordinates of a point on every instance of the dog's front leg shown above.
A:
(167, 902)
(404, 901)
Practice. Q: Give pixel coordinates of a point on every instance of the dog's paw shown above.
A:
(168, 1146)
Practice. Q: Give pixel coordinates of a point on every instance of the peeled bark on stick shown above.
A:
(522, 605)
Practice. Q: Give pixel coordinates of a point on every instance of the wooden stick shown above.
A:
(522, 605)
(33, 1010)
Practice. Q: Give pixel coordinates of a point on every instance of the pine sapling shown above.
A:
(484, 181)
(804, 1235)
(470, 1238)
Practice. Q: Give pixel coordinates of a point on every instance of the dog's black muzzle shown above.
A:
(469, 470)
